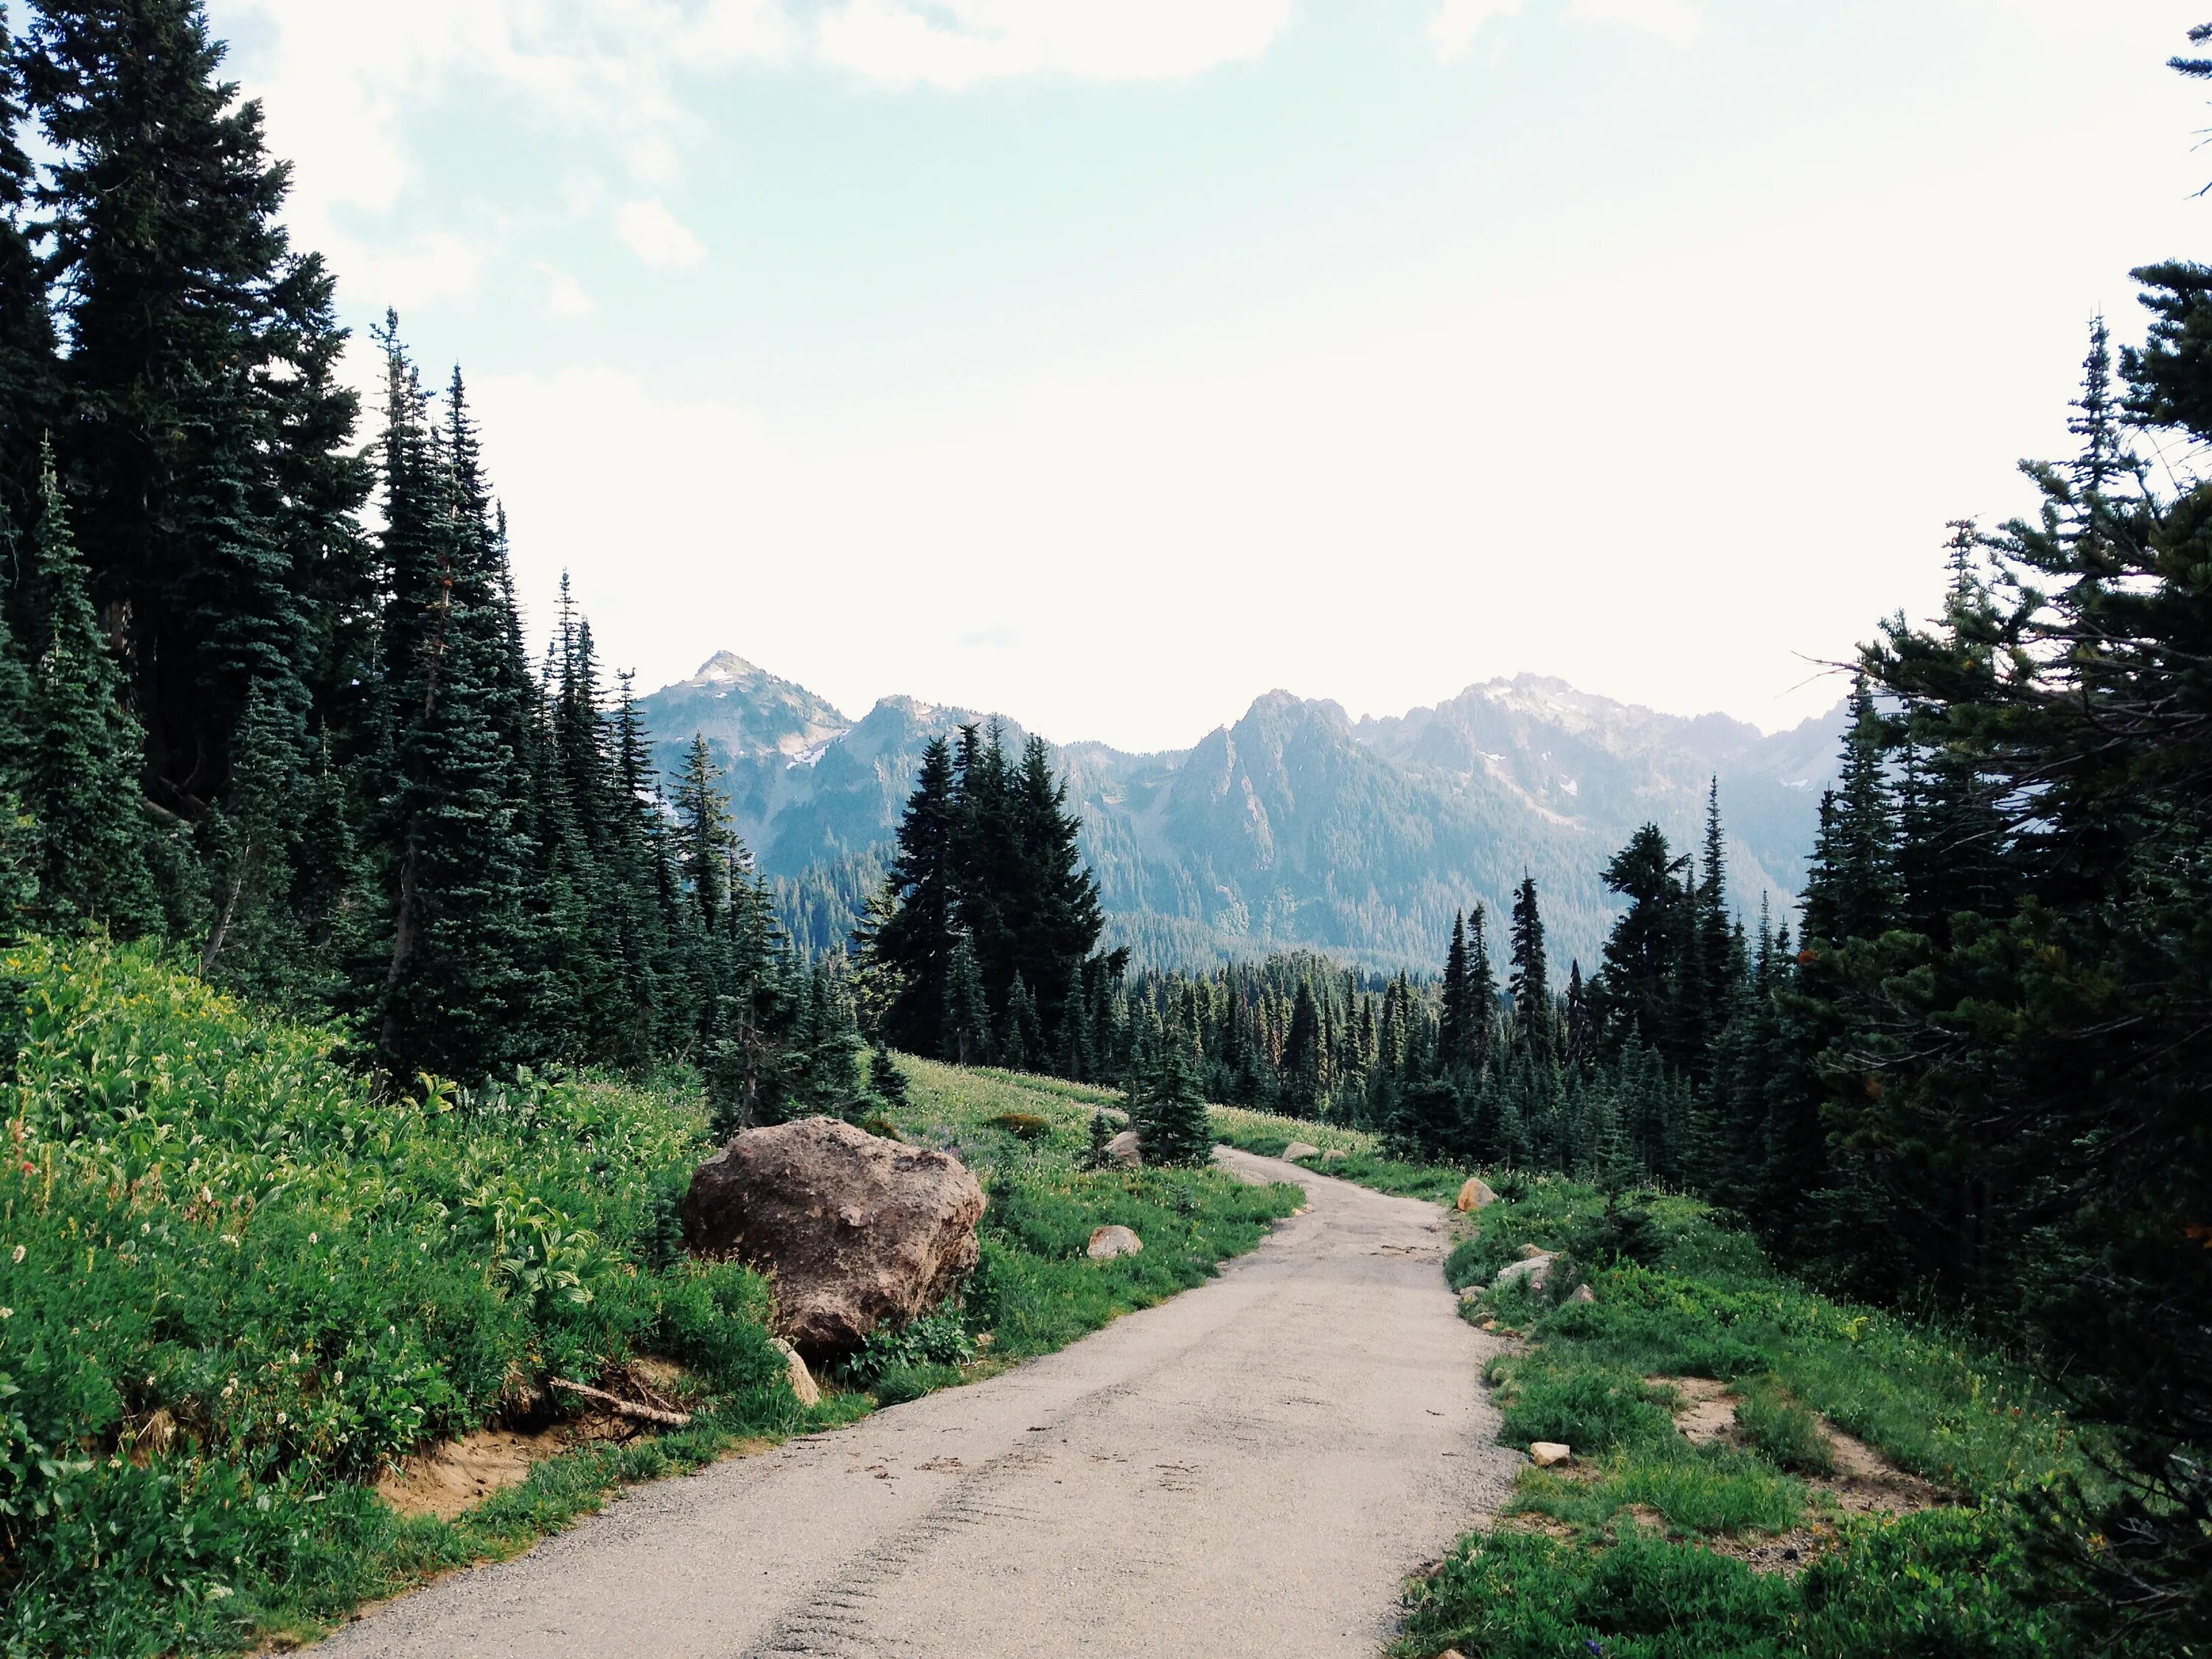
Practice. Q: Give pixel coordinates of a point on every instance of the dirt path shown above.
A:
(1247, 1469)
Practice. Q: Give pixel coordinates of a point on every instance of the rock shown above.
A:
(1122, 1151)
(1471, 1293)
(1109, 1242)
(1530, 1252)
(858, 1231)
(1334, 1155)
(1298, 1151)
(802, 1380)
(1476, 1195)
(1583, 1293)
(1536, 1269)
(1546, 1452)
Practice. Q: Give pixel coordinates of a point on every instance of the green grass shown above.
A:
(207, 1226)
(1639, 1567)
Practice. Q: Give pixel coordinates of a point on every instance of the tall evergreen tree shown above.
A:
(1531, 984)
(83, 747)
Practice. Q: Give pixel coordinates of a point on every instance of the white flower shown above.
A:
(7, 1313)
(19, 1255)
(280, 1419)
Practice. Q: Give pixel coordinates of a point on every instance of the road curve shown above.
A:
(1251, 1469)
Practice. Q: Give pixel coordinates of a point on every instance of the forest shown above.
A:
(268, 703)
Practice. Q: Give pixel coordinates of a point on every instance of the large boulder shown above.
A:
(1122, 1153)
(858, 1231)
(1298, 1152)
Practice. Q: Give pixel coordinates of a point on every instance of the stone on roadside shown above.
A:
(1536, 1269)
(1122, 1153)
(1107, 1242)
(858, 1231)
(1334, 1155)
(803, 1385)
(1298, 1151)
(1476, 1195)
(1546, 1452)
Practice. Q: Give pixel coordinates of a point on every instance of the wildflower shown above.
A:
(280, 1419)
(207, 1196)
(7, 1313)
(230, 1388)
(18, 1257)
(313, 1238)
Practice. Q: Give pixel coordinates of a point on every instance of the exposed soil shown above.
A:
(1864, 1483)
(455, 1476)
(1789, 1554)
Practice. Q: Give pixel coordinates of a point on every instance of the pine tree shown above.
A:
(1098, 1155)
(1531, 983)
(1850, 891)
(19, 836)
(83, 748)
(966, 1039)
(910, 950)
(29, 368)
(464, 979)
(886, 1080)
(1169, 1111)
(168, 255)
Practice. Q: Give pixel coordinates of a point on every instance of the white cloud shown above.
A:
(1678, 20)
(953, 43)
(564, 296)
(658, 236)
(1456, 23)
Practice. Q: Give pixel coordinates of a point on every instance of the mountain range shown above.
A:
(1295, 828)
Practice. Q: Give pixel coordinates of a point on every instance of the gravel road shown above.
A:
(1251, 1469)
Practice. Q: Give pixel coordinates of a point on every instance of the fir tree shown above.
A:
(82, 747)
(1531, 983)
(1169, 1110)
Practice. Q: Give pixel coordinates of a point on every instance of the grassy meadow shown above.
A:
(1767, 1539)
(235, 1285)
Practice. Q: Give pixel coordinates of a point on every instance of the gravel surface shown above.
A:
(1251, 1469)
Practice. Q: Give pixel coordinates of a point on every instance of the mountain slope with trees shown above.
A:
(1294, 827)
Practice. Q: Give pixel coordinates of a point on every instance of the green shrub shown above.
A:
(1589, 1409)
(1778, 1427)
(936, 1339)
(1023, 1126)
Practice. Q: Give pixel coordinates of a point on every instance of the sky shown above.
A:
(1110, 362)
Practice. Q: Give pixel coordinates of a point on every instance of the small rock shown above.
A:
(1109, 1242)
(1471, 1293)
(1122, 1151)
(1546, 1452)
(1451, 1653)
(1583, 1293)
(1490, 1324)
(1536, 1269)
(803, 1385)
(1476, 1195)
(1530, 1252)
(1334, 1155)
(1298, 1150)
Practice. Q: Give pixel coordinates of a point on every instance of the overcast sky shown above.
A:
(1109, 362)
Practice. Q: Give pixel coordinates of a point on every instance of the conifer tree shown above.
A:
(1168, 1109)
(29, 369)
(1531, 985)
(83, 748)
(913, 939)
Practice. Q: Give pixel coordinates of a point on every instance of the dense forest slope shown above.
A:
(1296, 826)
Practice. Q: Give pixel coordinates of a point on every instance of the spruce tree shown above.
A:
(1531, 983)
(168, 254)
(910, 949)
(29, 368)
(1173, 1129)
(83, 750)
